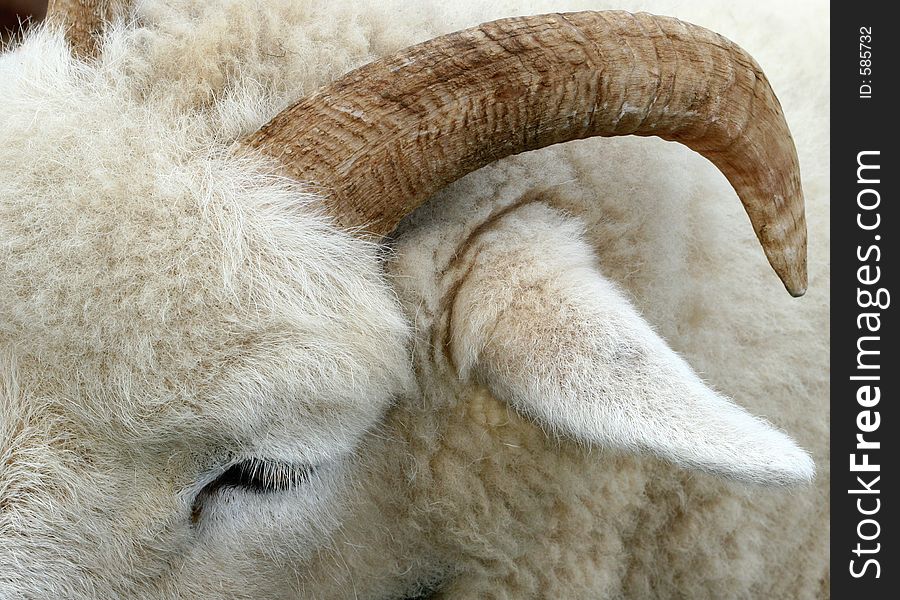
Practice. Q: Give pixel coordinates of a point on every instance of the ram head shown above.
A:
(206, 376)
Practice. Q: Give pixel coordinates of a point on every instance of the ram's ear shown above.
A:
(561, 344)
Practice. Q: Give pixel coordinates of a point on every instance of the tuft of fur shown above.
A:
(168, 308)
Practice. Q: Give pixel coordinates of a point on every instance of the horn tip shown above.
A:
(796, 291)
(795, 280)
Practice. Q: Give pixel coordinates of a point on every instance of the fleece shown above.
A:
(568, 375)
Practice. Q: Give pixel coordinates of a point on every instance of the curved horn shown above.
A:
(84, 20)
(385, 137)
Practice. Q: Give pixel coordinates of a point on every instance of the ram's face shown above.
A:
(187, 355)
(167, 408)
(194, 366)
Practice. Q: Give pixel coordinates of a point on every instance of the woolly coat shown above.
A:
(451, 490)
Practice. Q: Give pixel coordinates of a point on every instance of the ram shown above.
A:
(287, 310)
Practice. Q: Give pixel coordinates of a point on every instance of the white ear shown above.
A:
(561, 344)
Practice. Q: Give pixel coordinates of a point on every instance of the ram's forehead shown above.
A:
(143, 264)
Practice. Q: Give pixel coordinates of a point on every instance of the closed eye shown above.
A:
(253, 475)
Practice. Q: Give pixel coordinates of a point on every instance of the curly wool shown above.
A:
(453, 489)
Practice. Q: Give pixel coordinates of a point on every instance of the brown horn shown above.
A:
(383, 138)
(84, 21)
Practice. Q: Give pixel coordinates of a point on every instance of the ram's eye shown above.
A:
(253, 475)
(262, 476)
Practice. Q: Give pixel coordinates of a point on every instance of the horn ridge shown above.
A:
(382, 139)
(84, 20)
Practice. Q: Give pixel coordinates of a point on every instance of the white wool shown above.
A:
(164, 307)
(169, 308)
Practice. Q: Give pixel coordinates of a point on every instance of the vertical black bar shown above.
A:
(865, 370)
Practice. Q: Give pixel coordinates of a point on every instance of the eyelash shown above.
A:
(253, 475)
(262, 476)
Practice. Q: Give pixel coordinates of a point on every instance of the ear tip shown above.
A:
(772, 457)
(793, 466)
(800, 469)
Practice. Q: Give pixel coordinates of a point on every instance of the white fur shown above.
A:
(553, 337)
(168, 308)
